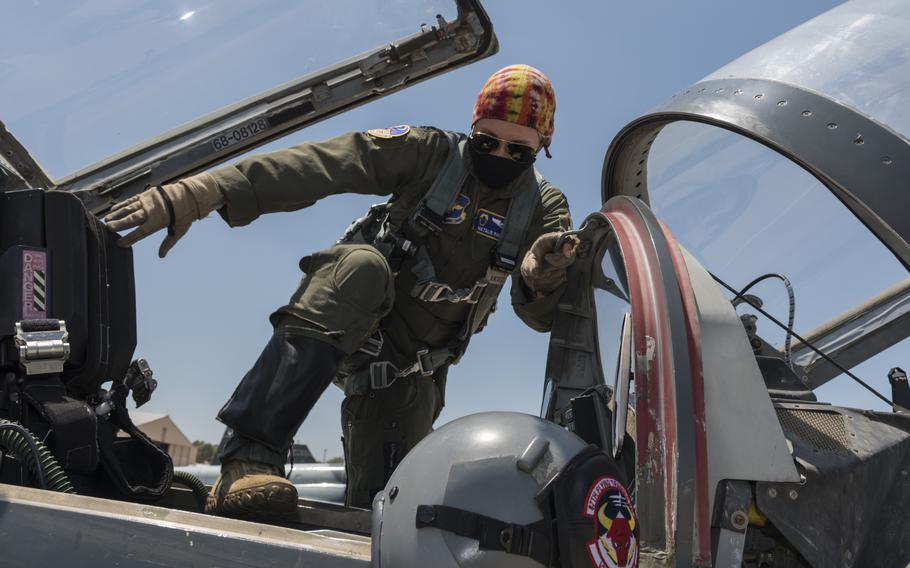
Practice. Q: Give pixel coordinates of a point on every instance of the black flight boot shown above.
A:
(265, 411)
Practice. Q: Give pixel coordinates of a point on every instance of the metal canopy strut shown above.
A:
(817, 133)
(810, 129)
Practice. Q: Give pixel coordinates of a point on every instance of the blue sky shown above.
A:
(202, 311)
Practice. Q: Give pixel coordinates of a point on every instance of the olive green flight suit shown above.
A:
(349, 290)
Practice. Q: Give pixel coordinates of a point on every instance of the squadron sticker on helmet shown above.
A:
(615, 543)
(393, 132)
(457, 214)
(489, 224)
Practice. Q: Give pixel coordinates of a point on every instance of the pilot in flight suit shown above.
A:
(385, 312)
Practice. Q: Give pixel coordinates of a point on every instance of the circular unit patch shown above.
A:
(615, 543)
(393, 132)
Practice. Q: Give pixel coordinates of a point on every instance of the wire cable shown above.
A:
(804, 342)
(788, 351)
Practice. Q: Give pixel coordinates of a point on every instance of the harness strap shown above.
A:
(503, 261)
(381, 374)
(137, 466)
(504, 256)
(384, 373)
(534, 541)
(429, 216)
(440, 292)
(518, 219)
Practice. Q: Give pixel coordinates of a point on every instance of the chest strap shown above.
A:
(381, 374)
(505, 255)
(503, 258)
(429, 216)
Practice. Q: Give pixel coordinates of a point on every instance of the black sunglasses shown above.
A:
(483, 143)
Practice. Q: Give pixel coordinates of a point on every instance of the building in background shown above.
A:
(300, 453)
(164, 432)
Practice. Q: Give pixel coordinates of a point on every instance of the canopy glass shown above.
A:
(745, 211)
(857, 53)
(80, 81)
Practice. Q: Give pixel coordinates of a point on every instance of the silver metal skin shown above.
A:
(475, 463)
(56, 529)
(745, 439)
(856, 334)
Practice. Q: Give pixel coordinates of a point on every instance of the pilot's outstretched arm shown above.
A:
(357, 162)
(285, 180)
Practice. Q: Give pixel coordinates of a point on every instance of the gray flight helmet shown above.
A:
(481, 470)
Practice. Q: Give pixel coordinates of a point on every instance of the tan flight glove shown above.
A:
(544, 268)
(175, 206)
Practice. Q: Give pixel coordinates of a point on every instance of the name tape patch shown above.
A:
(489, 224)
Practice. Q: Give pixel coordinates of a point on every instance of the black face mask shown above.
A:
(495, 172)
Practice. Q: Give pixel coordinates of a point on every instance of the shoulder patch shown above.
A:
(393, 132)
(458, 213)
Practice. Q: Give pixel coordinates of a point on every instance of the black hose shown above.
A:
(198, 488)
(13, 444)
(788, 351)
(19, 441)
(823, 355)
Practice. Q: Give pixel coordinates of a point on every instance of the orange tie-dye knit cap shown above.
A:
(519, 94)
